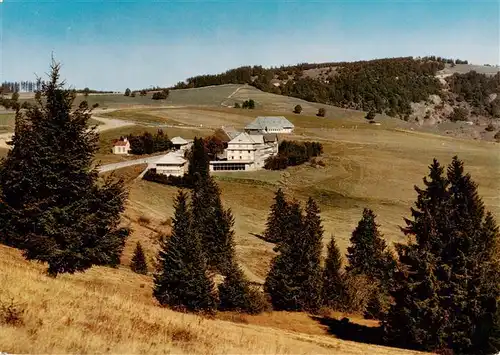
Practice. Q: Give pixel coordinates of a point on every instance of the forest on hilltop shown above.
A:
(386, 86)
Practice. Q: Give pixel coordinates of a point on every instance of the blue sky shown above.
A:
(118, 44)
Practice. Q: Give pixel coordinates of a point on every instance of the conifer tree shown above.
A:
(446, 289)
(281, 282)
(198, 162)
(294, 280)
(214, 224)
(275, 226)
(236, 294)
(51, 205)
(311, 257)
(139, 264)
(367, 254)
(416, 317)
(181, 281)
(333, 285)
(473, 286)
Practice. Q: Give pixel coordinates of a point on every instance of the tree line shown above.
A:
(477, 90)
(292, 153)
(383, 85)
(149, 144)
(8, 87)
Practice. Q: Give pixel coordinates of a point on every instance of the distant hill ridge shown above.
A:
(388, 86)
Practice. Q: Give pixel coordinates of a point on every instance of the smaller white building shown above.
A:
(121, 146)
(181, 143)
(270, 124)
(172, 163)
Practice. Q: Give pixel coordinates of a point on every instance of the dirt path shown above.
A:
(110, 123)
(230, 96)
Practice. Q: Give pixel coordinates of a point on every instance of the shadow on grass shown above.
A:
(346, 330)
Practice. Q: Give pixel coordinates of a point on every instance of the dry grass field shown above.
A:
(111, 311)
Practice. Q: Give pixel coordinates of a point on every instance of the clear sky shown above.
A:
(118, 44)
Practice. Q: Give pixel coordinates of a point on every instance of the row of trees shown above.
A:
(438, 293)
(202, 245)
(249, 104)
(8, 87)
(149, 144)
(291, 153)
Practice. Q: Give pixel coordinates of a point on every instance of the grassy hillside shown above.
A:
(111, 311)
(366, 166)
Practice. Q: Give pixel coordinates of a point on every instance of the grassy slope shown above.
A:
(111, 311)
(366, 166)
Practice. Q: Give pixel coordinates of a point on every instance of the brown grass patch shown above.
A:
(106, 310)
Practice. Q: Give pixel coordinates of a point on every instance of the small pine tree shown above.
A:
(127, 92)
(333, 283)
(275, 226)
(182, 282)
(139, 264)
(370, 116)
(236, 294)
(15, 96)
(367, 252)
(368, 256)
(297, 109)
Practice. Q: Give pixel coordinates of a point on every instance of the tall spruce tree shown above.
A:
(182, 281)
(214, 224)
(446, 289)
(138, 263)
(333, 283)
(51, 205)
(275, 227)
(311, 257)
(416, 318)
(473, 287)
(281, 283)
(294, 280)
